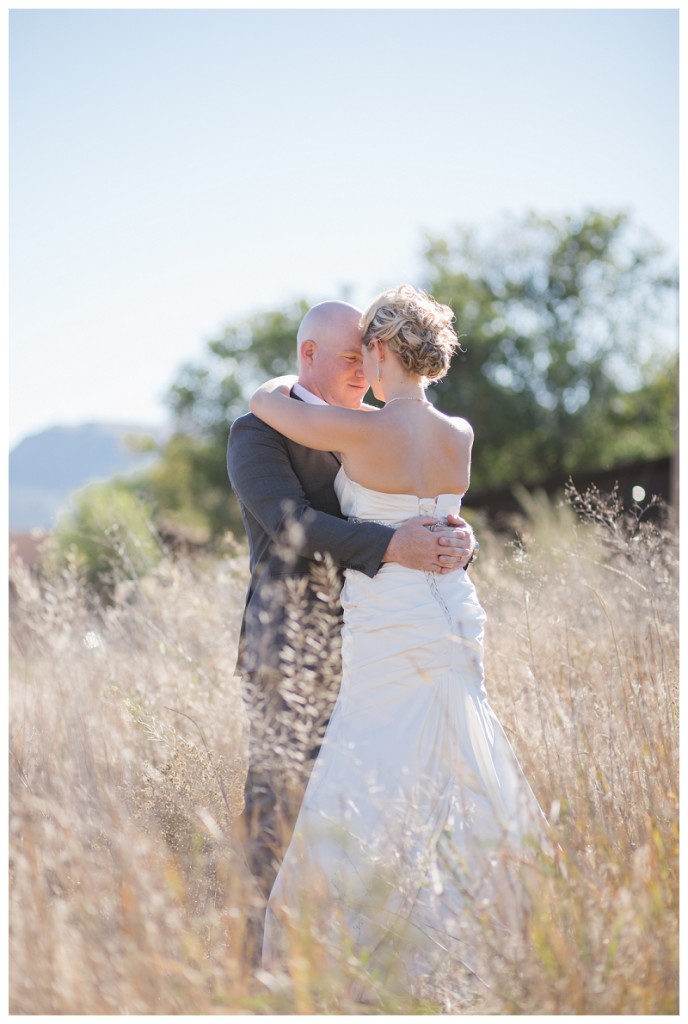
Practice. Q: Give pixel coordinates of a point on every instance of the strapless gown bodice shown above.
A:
(365, 504)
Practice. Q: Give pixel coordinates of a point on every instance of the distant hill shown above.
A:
(46, 468)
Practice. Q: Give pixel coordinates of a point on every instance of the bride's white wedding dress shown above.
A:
(417, 806)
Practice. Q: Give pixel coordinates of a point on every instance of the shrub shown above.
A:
(107, 536)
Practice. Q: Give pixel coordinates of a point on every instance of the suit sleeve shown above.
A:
(264, 481)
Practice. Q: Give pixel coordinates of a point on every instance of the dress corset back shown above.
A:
(364, 504)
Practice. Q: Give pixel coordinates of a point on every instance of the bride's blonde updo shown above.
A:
(414, 326)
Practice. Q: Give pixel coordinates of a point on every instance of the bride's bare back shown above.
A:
(408, 447)
(411, 448)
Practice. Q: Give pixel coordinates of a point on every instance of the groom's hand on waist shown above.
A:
(423, 543)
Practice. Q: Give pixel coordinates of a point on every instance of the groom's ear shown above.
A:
(308, 350)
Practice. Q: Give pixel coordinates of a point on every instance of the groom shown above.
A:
(289, 643)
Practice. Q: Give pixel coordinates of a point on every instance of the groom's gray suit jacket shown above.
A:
(278, 483)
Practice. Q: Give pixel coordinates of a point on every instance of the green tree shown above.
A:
(188, 486)
(643, 423)
(208, 396)
(562, 321)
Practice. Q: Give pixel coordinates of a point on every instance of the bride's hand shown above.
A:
(275, 386)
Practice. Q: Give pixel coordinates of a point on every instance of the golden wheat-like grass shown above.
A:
(129, 893)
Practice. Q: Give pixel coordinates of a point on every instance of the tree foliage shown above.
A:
(568, 361)
(207, 398)
(188, 486)
(565, 331)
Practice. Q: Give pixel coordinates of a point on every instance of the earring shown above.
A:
(378, 373)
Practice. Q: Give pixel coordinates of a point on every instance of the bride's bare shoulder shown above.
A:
(462, 426)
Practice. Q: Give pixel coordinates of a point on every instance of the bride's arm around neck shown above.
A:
(326, 428)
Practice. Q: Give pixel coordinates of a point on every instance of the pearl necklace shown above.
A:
(407, 398)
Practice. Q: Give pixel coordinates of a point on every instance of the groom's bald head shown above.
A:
(328, 321)
(329, 353)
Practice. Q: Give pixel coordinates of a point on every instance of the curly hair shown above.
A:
(414, 326)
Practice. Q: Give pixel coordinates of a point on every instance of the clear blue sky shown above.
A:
(172, 171)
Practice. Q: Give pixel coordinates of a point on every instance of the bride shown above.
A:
(417, 809)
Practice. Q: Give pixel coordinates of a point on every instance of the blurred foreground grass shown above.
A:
(127, 748)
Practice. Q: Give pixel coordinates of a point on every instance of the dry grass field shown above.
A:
(127, 748)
